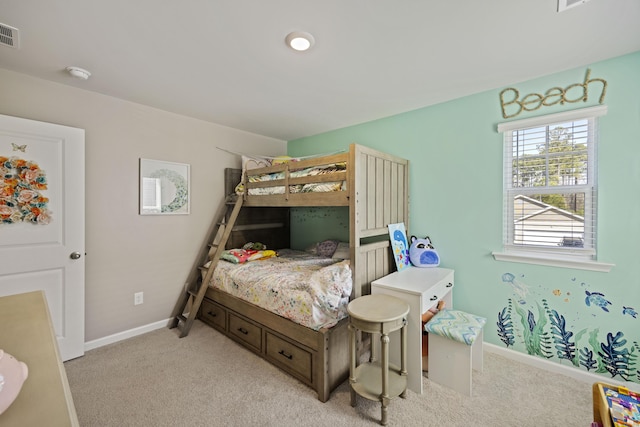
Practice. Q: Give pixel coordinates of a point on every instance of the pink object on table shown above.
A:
(13, 374)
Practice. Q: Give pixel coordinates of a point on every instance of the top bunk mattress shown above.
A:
(311, 187)
(309, 290)
(292, 179)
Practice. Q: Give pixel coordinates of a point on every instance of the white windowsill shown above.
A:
(538, 259)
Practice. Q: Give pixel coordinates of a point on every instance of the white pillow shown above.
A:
(254, 162)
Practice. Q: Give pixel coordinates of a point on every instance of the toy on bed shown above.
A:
(249, 252)
(422, 253)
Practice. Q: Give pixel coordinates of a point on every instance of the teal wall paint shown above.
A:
(456, 198)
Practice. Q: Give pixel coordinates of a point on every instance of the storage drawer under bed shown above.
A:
(290, 357)
(213, 314)
(245, 331)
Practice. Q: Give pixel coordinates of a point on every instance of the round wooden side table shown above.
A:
(378, 381)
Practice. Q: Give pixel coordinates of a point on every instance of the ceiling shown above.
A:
(225, 61)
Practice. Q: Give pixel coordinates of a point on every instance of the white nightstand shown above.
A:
(421, 288)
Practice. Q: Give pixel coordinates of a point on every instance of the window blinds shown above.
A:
(550, 191)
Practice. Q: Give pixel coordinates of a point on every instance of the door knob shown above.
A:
(75, 255)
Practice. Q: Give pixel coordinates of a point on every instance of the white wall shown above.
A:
(126, 252)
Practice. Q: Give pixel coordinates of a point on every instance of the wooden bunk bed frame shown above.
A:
(377, 194)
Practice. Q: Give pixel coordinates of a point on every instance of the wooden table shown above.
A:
(27, 334)
(378, 381)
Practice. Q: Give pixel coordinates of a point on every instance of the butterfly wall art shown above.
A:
(17, 147)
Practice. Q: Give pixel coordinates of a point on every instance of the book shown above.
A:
(399, 245)
(624, 406)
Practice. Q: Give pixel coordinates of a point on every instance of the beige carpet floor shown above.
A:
(205, 379)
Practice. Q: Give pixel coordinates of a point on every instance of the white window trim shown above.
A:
(581, 113)
(531, 256)
(555, 261)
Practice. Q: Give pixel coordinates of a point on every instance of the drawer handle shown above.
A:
(433, 298)
(449, 285)
(243, 330)
(288, 356)
(212, 314)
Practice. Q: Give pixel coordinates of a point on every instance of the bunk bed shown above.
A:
(374, 187)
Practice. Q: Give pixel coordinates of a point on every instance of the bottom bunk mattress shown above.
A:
(306, 289)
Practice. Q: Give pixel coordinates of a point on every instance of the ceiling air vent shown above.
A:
(568, 4)
(9, 36)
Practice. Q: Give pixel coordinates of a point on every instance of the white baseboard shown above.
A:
(550, 366)
(90, 345)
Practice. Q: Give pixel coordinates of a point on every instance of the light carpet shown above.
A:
(206, 379)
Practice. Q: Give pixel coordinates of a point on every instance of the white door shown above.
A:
(42, 221)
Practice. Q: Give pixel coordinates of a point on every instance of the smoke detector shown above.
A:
(79, 73)
(9, 36)
(568, 4)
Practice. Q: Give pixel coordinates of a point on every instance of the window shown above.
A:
(151, 194)
(550, 185)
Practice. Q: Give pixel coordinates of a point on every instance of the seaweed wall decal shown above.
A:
(616, 360)
(543, 336)
(579, 335)
(536, 340)
(595, 346)
(526, 331)
(505, 326)
(565, 348)
(586, 359)
(636, 346)
(550, 334)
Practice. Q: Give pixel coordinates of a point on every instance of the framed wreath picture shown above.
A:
(164, 188)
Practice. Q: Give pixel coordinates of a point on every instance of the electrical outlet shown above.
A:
(138, 298)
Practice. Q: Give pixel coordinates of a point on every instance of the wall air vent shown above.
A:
(9, 36)
(568, 4)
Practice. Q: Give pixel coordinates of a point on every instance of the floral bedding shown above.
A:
(318, 187)
(303, 288)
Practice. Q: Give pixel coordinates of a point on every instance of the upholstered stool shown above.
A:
(455, 348)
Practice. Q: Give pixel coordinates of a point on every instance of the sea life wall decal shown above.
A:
(597, 299)
(521, 289)
(630, 311)
(542, 326)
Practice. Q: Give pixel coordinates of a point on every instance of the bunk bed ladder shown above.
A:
(192, 294)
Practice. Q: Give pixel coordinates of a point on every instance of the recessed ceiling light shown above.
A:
(79, 72)
(299, 40)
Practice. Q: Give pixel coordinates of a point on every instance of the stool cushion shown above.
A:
(456, 325)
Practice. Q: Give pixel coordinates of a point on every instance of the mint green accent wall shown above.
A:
(315, 224)
(456, 198)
